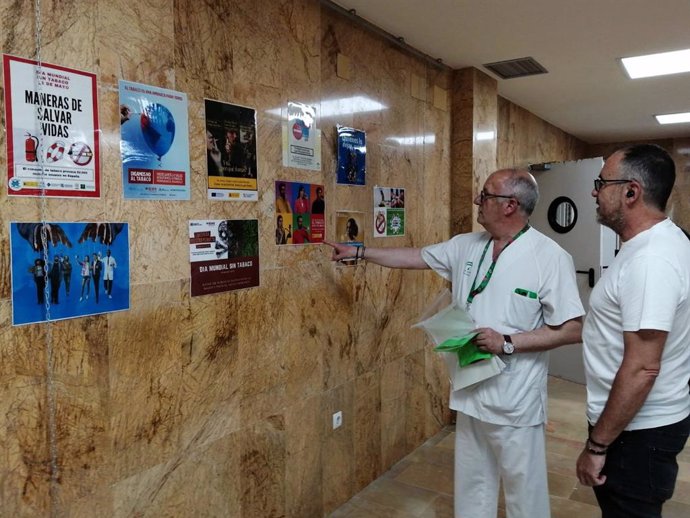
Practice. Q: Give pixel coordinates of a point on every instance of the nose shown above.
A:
(477, 200)
(595, 193)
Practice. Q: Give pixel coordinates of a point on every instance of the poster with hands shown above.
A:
(63, 270)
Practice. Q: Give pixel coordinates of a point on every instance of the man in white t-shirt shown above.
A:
(637, 341)
(519, 287)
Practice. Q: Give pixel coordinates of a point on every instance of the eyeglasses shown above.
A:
(483, 195)
(599, 183)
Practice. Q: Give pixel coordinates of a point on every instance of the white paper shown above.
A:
(444, 319)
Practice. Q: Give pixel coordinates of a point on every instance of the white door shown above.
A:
(565, 191)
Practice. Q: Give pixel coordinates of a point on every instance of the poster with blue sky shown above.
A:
(66, 270)
(154, 143)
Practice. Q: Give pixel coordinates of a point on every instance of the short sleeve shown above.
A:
(651, 290)
(559, 294)
(438, 258)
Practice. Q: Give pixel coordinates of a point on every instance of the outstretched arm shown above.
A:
(409, 258)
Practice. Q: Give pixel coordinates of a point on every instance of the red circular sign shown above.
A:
(297, 130)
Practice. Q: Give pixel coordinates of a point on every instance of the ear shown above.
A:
(511, 206)
(633, 192)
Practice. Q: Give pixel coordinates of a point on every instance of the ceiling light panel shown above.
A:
(673, 118)
(661, 64)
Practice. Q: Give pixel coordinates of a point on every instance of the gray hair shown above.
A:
(524, 188)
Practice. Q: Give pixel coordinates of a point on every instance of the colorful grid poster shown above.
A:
(67, 270)
(223, 255)
(301, 138)
(352, 154)
(154, 143)
(231, 152)
(300, 209)
(52, 130)
(389, 211)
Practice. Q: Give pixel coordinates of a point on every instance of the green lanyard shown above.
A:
(476, 290)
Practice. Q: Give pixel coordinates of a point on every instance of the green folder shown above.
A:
(467, 352)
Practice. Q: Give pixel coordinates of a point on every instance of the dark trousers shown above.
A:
(96, 285)
(641, 471)
(40, 289)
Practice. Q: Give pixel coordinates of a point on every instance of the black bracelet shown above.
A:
(595, 443)
(363, 250)
(596, 452)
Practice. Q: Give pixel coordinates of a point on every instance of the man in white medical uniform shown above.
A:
(519, 287)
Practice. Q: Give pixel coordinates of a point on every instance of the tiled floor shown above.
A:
(421, 485)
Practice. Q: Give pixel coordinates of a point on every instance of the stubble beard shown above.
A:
(614, 220)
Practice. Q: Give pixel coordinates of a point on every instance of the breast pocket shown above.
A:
(523, 313)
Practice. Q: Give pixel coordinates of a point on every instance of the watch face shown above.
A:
(508, 348)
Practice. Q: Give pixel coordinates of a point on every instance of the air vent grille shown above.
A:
(513, 68)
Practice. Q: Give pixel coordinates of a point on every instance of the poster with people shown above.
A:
(301, 138)
(154, 143)
(66, 270)
(51, 115)
(349, 229)
(300, 213)
(352, 154)
(223, 255)
(389, 211)
(231, 163)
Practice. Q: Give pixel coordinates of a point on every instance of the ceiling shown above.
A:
(585, 92)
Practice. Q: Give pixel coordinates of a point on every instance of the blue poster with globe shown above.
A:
(154, 143)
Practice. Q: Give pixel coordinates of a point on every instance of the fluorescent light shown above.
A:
(673, 118)
(414, 140)
(484, 135)
(660, 64)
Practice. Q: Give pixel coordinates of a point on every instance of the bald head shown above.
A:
(520, 184)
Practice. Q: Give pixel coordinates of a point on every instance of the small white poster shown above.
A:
(301, 138)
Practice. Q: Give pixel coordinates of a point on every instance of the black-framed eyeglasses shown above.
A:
(483, 195)
(599, 183)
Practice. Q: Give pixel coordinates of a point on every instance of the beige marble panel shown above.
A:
(343, 330)
(26, 453)
(679, 203)
(211, 367)
(367, 436)
(277, 44)
(525, 139)
(65, 40)
(221, 405)
(462, 146)
(337, 445)
(393, 412)
(304, 424)
(194, 482)
(262, 468)
(416, 399)
(135, 42)
(18, 29)
(204, 49)
(146, 354)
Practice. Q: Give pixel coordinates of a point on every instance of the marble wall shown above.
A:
(221, 405)
(524, 138)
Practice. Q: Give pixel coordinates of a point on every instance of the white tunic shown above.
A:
(532, 264)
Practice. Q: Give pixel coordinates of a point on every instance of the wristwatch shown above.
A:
(508, 347)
